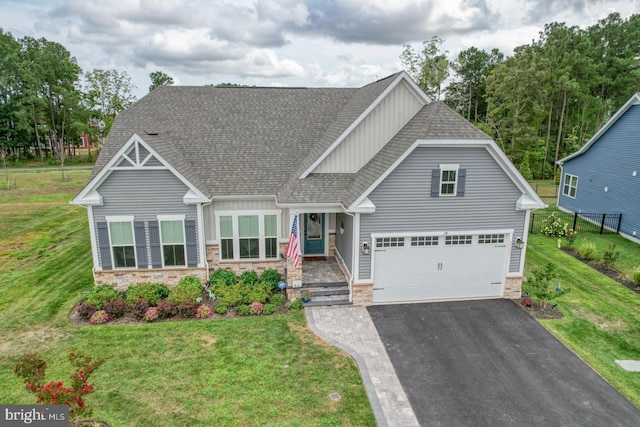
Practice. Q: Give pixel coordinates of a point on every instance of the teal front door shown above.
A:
(313, 233)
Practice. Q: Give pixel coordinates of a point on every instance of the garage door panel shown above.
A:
(453, 271)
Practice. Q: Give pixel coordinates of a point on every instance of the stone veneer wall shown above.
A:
(122, 279)
(513, 287)
(362, 293)
(239, 267)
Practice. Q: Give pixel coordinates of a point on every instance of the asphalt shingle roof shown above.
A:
(258, 141)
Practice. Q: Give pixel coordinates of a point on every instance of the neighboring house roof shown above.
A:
(634, 100)
(239, 141)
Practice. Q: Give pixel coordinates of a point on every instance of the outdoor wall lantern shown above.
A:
(365, 248)
(342, 228)
(519, 243)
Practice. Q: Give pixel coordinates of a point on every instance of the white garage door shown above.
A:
(439, 267)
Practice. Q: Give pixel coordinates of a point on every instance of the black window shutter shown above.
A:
(141, 244)
(435, 183)
(190, 239)
(103, 245)
(154, 244)
(462, 179)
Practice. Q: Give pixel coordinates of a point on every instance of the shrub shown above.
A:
(243, 310)
(166, 309)
(610, 257)
(85, 309)
(116, 309)
(203, 312)
(258, 292)
(276, 299)
(256, 307)
(553, 226)
(249, 277)
(102, 294)
(271, 277)
(222, 276)
(635, 275)
(188, 289)
(571, 235)
(295, 305)
(229, 295)
(99, 317)
(270, 309)
(539, 285)
(152, 292)
(588, 251)
(187, 309)
(151, 315)
(221, 308)
(140, 307)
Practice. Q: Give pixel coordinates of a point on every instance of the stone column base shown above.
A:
(513, 287)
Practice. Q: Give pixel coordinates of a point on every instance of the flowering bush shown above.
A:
(553, 227)
(256, 307)
(31, 368)
(151, 314)
(99, 317)
(571, 234)
(203, 312)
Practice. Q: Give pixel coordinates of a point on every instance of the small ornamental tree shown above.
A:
(31, 368)
(540, 286)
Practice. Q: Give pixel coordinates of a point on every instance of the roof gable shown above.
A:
(634, 100)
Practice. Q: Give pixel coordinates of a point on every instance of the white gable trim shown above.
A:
(88, 194)
(634, 100)
(402, 77)
(533, 200)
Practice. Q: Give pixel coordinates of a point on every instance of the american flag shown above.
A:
(292, 247)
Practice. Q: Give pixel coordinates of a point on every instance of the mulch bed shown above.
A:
(128, 318)
(612, 273)
(538, 311)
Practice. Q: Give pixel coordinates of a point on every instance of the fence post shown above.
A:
(575, 219)
(619, 222)
(533, 220)
(602, 225)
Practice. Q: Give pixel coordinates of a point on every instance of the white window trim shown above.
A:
(184, 237)
(575, 187)
(236, 235)
(129, 219)
(449, 167)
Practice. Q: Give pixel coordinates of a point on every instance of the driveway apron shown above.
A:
(488, 363)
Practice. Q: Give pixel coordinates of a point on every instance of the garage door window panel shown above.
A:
(389, 242)
(488, 239)
(465, 239)
(424, 241)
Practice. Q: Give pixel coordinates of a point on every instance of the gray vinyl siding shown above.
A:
(344, 241)
(395, 110)
(404, 204)
(143, 194)
(241, 205)
(609, 162)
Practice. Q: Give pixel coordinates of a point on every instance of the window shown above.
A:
(122, 244)
(248, 236)
(458, 240)
(485, 239)
(448, 182)
(424, 241)
(389, 242)
(173, 247)
(570, 186)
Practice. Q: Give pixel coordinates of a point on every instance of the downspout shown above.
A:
(353, 253)
(201, 235)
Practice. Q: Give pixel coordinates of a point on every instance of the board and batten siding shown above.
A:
(143, 194)
(241, 205)
(404, 204)
(344, 241)
(386, 119)
(610, 162)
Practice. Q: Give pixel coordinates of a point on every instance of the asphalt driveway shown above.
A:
(488, 363)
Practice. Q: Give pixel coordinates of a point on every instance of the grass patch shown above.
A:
(269, 371)
(602, 317)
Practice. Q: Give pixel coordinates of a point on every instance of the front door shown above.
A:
(313, 233)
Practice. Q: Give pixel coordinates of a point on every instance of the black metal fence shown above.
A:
(600, 223)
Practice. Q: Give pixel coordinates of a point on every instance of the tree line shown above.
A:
(546, 100)
(47, 103)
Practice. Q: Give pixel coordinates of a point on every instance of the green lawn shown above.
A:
(267, 370)
(602, 317)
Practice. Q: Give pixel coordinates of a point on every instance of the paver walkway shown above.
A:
(352, 330)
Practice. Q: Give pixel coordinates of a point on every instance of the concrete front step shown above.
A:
(317, 303)
(308, 285)
(327, 293)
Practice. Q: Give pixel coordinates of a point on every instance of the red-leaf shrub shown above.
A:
(166, 309)
(85, 309)
(187, 309)
(115, 309)
(140, 307)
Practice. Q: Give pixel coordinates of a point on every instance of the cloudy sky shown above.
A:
(283, 42)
